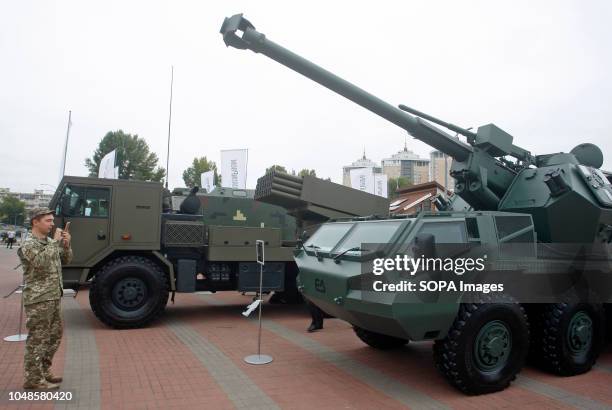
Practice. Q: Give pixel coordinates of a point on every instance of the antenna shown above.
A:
(169, 127)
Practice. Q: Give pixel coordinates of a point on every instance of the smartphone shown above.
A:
(67, 227)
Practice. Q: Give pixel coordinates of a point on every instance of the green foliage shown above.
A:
(11, 207)
(279, 168)
(394, 184)
(309, 172)
(192, 175)
(134, 159)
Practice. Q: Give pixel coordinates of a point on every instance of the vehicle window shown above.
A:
(446, 232)
(85, 202)
(328, 235)
(96, 202)
(369, 232)
(72, 201)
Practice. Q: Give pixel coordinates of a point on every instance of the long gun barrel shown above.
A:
(253, 40)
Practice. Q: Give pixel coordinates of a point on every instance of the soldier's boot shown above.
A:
(317, 324)
(43, 385)
(50, 378)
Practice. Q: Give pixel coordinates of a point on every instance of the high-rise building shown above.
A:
(439, 171)
(362, 162)
(406, 163)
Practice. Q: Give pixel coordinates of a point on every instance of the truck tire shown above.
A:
(569, 337)
(129, 292)
(486, 346)
(378, 340)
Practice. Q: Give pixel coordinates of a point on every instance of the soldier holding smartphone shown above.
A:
(42, 258)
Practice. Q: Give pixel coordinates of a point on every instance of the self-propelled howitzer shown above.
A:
(518, 200)
(491, 173)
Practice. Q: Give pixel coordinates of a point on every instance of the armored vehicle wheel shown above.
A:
(377, 340)
(485, 347)
(569, 337)
(129, 292)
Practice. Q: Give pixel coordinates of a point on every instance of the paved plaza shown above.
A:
(193, 358)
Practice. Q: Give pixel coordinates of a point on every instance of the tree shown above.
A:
(394, 184)
(134, 159)
(11, 210)
(278, 168)
(309, 172)
(192, 175)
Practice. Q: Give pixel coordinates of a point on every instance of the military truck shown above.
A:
(545, 203)
(135, 246)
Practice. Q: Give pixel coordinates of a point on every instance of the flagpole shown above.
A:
(169, 124)
(66, 144)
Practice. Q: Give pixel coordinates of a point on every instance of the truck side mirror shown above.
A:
(303, 238)
(424, 244)
(64, 205)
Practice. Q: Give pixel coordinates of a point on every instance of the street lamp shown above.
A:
(15, 224)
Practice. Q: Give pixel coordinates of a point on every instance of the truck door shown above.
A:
(88, 209)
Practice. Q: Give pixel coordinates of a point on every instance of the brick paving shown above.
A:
(193, 358)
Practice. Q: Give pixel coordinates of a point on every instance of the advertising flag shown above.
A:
(362, 179)
(107, 167)
(234, 168)
(207, 180)
(380, 184)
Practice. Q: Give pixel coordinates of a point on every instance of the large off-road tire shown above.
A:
(486, 346)
(569, 336)
(129, 292)
(378, 340)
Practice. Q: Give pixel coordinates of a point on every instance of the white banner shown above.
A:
(380, 185)
(107, 167)
(234, 168)
(207, 180)
(363, 179)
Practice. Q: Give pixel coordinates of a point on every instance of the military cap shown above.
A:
(40, 211)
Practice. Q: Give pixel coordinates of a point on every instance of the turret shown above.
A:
(491, 173)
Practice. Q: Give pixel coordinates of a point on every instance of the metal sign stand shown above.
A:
(259, 358)
(19, 337)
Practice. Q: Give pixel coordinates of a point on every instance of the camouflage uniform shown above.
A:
(42, 265)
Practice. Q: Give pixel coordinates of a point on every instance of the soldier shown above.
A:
(316, 315)
(42, 259)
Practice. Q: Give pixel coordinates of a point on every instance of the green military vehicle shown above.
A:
(136, 243)
(557, 208)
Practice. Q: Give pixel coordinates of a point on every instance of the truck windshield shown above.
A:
(328, 235)
(369, 232)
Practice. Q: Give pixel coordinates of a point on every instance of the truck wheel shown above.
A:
(486, 346)
(378, 340)
(569, 337)
(129, 292)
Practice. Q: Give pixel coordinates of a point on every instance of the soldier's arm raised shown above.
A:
(66, 254)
